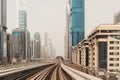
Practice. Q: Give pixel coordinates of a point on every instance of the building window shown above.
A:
(116, 42)
(116, 48)
(111, 59)
(113, 70)
(111, 48)
(80, 56)
(116, 53)
(116, 59)
(111, 65)
(87, 53)
(111, 53)
(116, 64)
(102, 49)
(112, 31)
(111, 42)
(103, 31)
(102, 36)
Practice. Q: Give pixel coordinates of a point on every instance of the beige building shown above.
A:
(80, 53)
(101, 49)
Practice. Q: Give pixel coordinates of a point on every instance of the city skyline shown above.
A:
(59, 40)
(94, 16)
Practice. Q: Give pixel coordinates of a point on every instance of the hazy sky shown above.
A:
(50, 16)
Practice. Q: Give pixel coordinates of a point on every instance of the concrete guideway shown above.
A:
(53, 72)
(78, 75)
(14, 70)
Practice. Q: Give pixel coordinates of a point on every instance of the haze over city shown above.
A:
(50, 16)
(59, 40)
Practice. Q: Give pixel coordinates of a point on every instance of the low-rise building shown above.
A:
(101, 49)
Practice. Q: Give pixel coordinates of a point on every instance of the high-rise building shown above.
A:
(50, 49)
(9, 48)
(43, 52)
(37, 45)
(53, 53)
(77, 20)
(27, 45)
(37, 36)
(3, 34)
(68, 35)
(32, 49)
(18, 44)
(46, 39)
(21, 14)
(46, 45)
(22, 23)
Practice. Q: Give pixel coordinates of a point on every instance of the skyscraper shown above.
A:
(46, 39)
(3, 34)
(22, 23)
(28, 44)
(37, 45)
(50, 49)
(68, 36)
(43, 52)
(46, 45)
(32, 49)
(21, 14)
(9, 48)
(18, 44)
(77, 21)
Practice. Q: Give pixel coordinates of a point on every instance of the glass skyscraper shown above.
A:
(18, 44)
(22, 14)
(22, 23)
(77, 21)
(22, 19)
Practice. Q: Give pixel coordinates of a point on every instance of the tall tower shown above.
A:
(77, 18)
(22, 22)
(21, 14)
(3, 34)
(50, 47)
(46, 39)
(68, 35)
(46, 45)
(18, 44)
(37, 45)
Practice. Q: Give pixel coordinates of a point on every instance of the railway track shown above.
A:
(48, 72)
(54, 72)
(26, 75)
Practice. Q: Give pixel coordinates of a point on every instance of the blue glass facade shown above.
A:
(22, 19)
(17, 44)
(77, 18)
